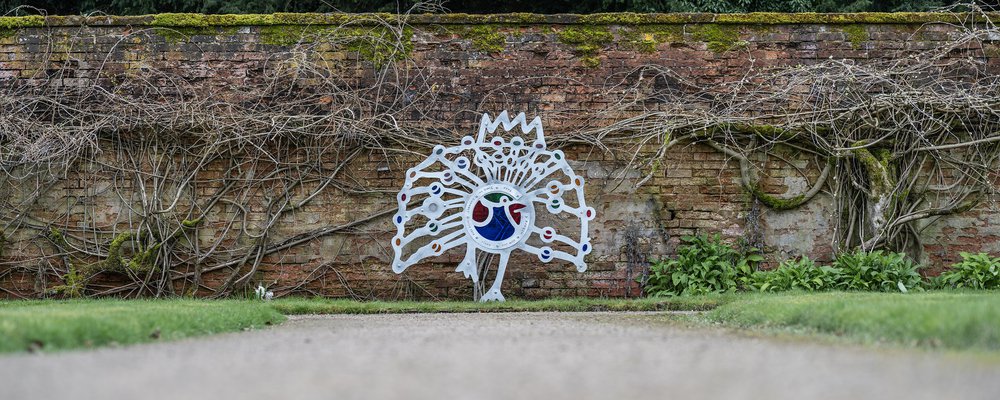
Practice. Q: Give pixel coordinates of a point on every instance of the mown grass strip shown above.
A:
(291, 306)
(51, 325)
(947, 319)
(60, 325)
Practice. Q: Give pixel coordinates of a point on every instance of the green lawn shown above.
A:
(59, 325)
(955, 320)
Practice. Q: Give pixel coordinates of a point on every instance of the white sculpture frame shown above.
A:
(496, 194)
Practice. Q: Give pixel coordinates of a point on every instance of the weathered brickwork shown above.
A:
(546, 66)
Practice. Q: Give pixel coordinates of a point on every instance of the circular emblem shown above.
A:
(495, 218)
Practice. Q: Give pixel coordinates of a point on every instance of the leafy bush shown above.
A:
(801, 274)
(704, 265)
(876, 271)
(975, 271)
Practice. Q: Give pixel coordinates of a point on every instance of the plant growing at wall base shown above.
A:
(975, 271)
(704, 265)
(800, 274)
(75, 283)
(877, 271)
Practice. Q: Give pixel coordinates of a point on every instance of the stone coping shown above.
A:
(202, 20)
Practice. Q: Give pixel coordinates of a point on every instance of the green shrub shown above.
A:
(876, 271)
(801, 274)
(704, 265)
(975, 271)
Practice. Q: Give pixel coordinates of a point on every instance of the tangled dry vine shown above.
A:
(896, 141)
(154, 134)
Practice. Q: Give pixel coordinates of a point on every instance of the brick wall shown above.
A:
(551, 66)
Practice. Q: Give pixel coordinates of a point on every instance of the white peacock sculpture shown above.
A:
(493, 197)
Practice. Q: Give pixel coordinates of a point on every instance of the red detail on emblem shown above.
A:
(514, 214)
(588, 213)
(480, 212)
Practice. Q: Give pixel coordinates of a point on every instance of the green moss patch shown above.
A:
(288, 35)
(718, 38)
(376, 44)
(463, 19)
(587, 42)
(484, 38)
(10, 25)
(856, 34)
(638, 19)
(774, 202)
(773, 18)
(877, 164)
(21, 22)
(179, 20)
(203, 20)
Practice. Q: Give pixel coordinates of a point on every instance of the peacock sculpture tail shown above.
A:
(493, 197)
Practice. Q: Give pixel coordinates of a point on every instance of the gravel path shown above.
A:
(493, 356)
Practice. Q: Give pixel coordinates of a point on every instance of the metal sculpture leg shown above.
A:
(494, 293)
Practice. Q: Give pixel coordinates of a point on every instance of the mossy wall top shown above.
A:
(586, 37)
(200, 20)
